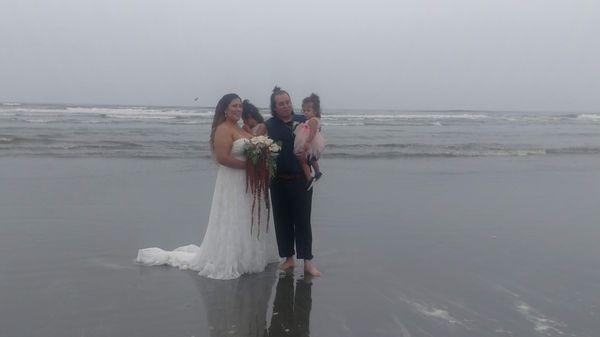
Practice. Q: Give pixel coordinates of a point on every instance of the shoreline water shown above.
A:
(417, 247)
(182, 132)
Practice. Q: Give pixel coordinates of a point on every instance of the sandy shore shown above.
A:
(424, 247)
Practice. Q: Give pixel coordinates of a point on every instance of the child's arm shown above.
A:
(261, 130)
(313, 123)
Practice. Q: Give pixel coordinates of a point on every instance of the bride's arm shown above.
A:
(223, 144)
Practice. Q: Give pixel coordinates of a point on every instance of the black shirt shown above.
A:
(283, 132)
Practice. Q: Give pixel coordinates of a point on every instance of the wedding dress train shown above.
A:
(228, 249)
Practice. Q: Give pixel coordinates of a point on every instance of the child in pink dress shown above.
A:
(309, 143)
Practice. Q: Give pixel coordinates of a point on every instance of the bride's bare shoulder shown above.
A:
(224, 135)
(223, 129)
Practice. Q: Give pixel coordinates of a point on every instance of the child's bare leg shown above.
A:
(315, 165)
(305, 167)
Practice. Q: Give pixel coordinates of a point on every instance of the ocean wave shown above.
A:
(330, 123)
(11, 104)
(433, 154)
(62, 153)
(12, 140)
(404, 116)
(136, 141)
(392, 151)
(141, 112)
(111, 120)
(141, 116)
(62, 112)
(107, 144)
(593, 117)
(39, 120)
(138, 150)
(34, 110)
(575, 150)
(190, 122)
(337, 118)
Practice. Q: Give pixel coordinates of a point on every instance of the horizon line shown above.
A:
(8, 103)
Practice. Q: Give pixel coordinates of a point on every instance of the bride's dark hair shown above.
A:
(220, 115)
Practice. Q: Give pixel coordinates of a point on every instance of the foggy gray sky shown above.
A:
(411, 54)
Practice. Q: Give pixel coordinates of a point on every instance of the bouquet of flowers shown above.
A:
(261, 153)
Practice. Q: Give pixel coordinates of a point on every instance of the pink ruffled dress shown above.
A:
(316, 146)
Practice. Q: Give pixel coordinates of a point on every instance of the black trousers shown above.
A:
(291, 214)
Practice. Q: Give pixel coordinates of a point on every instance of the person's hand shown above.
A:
(301, 153)
(261, 129)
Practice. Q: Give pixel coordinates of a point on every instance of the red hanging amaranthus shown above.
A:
(260, 167)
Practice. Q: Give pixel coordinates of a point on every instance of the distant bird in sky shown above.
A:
(195, 99)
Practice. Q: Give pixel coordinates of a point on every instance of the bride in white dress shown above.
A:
(228, 249)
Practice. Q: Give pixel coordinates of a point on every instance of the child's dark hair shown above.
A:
(251, 111)
(316, 103)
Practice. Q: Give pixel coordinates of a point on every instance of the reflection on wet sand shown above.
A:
(291, 310)
(239, 307)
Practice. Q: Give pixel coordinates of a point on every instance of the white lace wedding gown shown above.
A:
(228, 249)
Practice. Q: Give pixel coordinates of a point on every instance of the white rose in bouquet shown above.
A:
(274, 148)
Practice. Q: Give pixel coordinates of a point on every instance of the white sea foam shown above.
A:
(36, 110)
(326, 123)
(146, 116)
(406, 116)
(39, 120)
(517, 153)
(593, 117)
(188, 122)
(432, 311)
(11, 104)
(532, 119)
(137, 111)
(542, 324)
(107, 112)
(435, 312)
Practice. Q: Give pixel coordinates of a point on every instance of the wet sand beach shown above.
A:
(413, 247)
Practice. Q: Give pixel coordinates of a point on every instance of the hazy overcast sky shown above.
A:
(407, 54)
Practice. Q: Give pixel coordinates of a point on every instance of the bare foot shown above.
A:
(288, 263)
(310, 268)
(308, 278)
